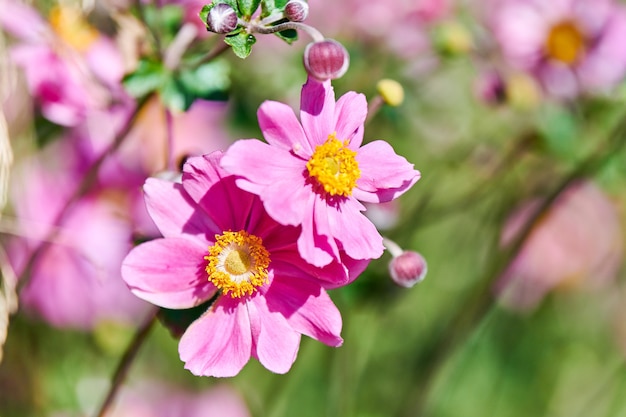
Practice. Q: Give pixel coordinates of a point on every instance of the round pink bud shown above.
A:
(221, 19)
(296, 10)
(408, 268)
(326, 60)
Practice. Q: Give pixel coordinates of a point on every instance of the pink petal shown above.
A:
(22, 21)
(350, 114)
(317, 111)
(357, 234)
(169, 273)
(307, 308)
(275, 341)
(216, 193)
(174, 212)
(384, 174)
(281, 128)
(219, 343)
(315, 244)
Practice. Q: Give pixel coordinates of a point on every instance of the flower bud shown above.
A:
(221, 19)
(326, 60)
(296, 10)
(391, 91)
(408, 268)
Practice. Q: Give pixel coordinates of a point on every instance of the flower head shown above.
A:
(219, 242)
(571, 46)
(315, 173)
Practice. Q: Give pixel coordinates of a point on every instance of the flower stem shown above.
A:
(315, 34)
(126, 361)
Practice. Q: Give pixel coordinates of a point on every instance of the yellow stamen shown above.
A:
(238, 263)
(565, 42)
(71, 26)
(334, 167)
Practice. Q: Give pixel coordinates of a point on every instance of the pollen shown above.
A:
(237, 263)
(565, 43)
(334, 167)
(72, 27)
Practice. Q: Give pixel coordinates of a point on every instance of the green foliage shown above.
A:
(248, 7)
(241, 43)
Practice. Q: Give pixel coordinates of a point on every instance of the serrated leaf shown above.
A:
(248, 7)
(148, 77)
(289, 35)
(241, 43)
(174, 95)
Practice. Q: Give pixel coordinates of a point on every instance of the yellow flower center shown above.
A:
(565, 42)
(71, 26)
(238, 263)
(334, 167)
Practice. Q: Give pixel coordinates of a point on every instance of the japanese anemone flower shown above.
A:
(315, 173)
(218, 242)
(571, 46)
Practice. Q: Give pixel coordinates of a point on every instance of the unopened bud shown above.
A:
(391, 91)
(221, 19)
(490, 88)
(296, 10)
(408, 268)
(326, 60)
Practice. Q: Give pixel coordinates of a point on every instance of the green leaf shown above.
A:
(241, 43)
(207, 80)
(289, 35)
(175, 96)
(148, 77)
(248, 7)
(559, 128)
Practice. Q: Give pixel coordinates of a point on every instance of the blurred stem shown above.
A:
(87, 182)
(126, 361)
(464, 320)
(217, 50)
(142, 17)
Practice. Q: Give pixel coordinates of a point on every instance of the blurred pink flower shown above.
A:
(150, 399)
(219, 240)
(69, 67)
(315, 173)
(579, 240)
(571, 46)
(75, 280)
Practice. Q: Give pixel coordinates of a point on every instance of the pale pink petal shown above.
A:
(219, 343)
(22, 21)
(315, 244)
(281, 128)
(357, 234)
(105, 61)
(350, 114)
(317, 111)
(384, 174)
(216, 193)
(276, 342)
(169, 273)
(307, 308)
(174, 212)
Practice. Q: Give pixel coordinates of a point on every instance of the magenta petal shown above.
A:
(168, 272)
(307, 308)
(275, 341)
(281, 128)
(350, 114)
(357, 234)
(174, 212)
(200, 173)
(219, 343)
(317, 111)
(384, 174)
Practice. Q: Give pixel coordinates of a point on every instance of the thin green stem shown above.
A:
(126, 361)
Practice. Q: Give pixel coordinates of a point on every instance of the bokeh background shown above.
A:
(519, 214)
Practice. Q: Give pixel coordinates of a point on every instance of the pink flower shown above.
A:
(218, 240)
(314, 173)
(571, 46)
(69, 67)
(578, 241)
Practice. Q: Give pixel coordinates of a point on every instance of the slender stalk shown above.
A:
(84, 186)
(315, 34)
(126, 361)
